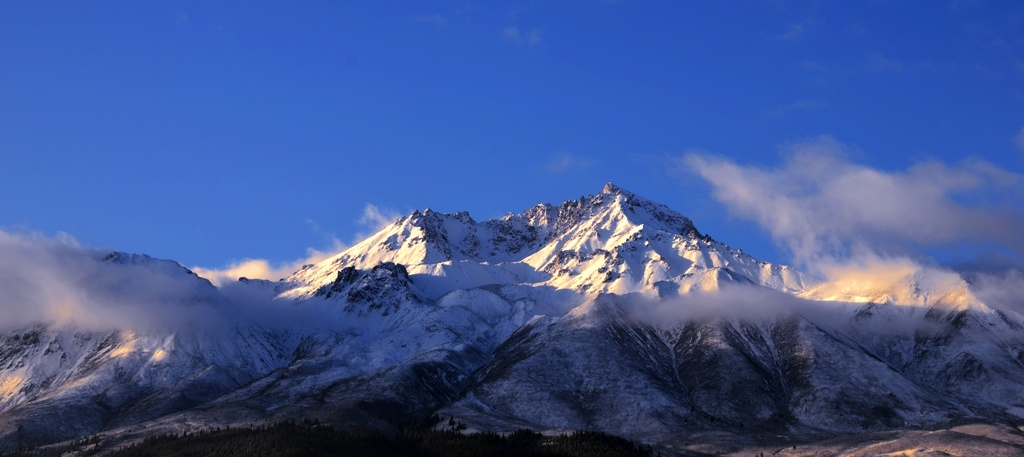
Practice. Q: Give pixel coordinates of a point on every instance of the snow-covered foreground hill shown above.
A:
(608, 313)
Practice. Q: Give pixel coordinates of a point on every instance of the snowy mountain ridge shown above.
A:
(612, 242)
(607, 312)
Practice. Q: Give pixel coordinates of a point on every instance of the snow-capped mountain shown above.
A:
(610, 312)
(63, 380)
(612, 242)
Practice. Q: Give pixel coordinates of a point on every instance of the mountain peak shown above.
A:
(644, 211)
(165, 266)
(611, 188)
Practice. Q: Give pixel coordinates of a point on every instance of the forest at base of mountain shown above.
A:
(313, 439)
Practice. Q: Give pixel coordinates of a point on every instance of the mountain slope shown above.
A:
(609, 312)
(599, 369)
(99, 377)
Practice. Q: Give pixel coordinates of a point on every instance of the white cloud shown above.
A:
(375, 218)
(565, 162)
(820, 205)
(264, 269)
(247, 268)
(372, 219)
(795, 107)
(531, 37)
(55, 281)
(182, 17)
(881, 64)
(1003, 289)
(436, 19)
(511, 34)
(793, 32)
(819, 73)
(1019, 139)
(738, 301)
(865, 231)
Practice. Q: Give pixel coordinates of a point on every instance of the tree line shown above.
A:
(309, 438)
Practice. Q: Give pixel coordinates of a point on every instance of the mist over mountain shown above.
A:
(609, 312)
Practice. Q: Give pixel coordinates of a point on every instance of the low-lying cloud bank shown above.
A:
(737, 301)
(57, 281)
(263, 268)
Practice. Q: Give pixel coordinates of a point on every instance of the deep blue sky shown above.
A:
(209, 132)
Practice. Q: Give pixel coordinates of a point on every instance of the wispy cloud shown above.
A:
(375, 218)
(795, 107)
(881, 64)
(866, 232)
(265, 269)
(530, 37)
(1004, 288)
(435, 19)
(372, 219)
(565, 162)
(793, 32)
(1018, 139)
(56, 281)
(820, 205)
(246, 268)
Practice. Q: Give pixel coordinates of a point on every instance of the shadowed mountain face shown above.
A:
(609, 313)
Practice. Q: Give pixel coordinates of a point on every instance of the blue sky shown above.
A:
(211, 132)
